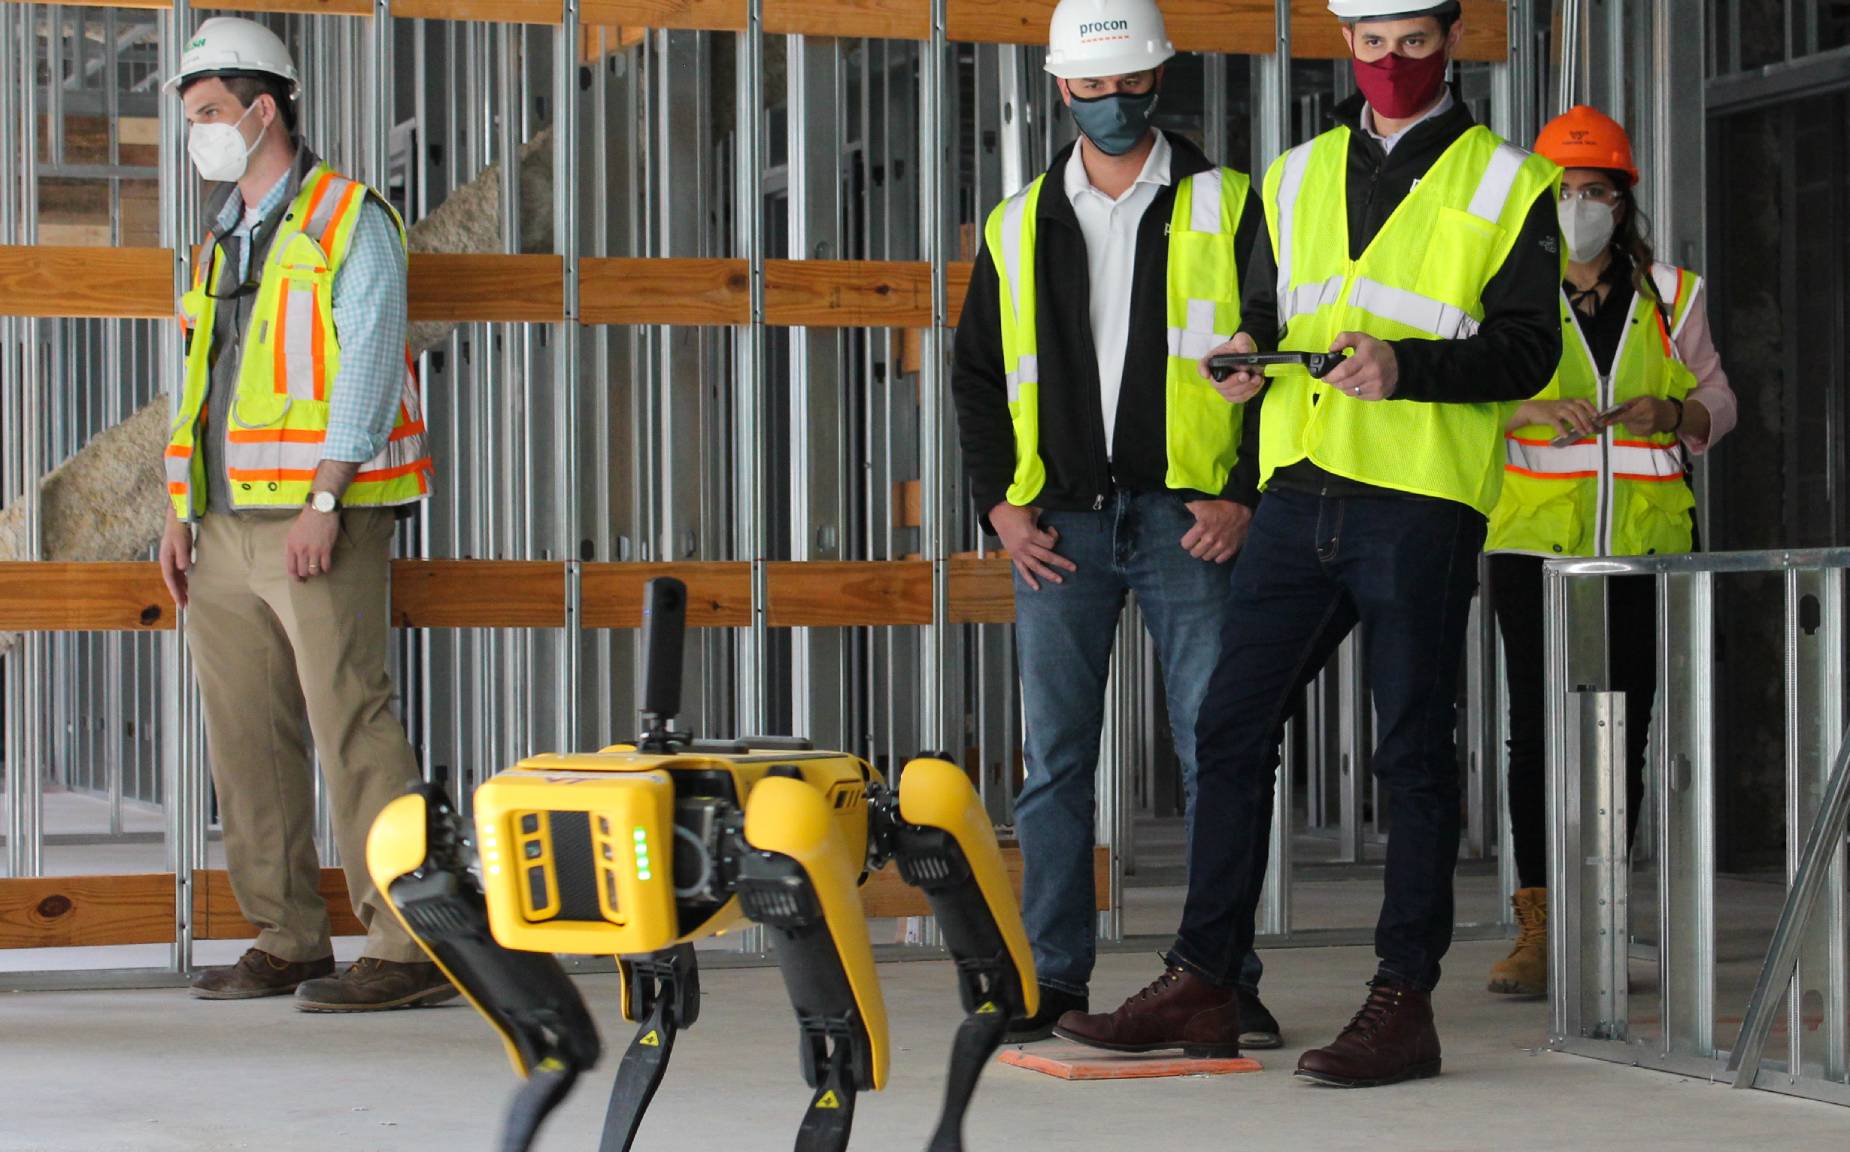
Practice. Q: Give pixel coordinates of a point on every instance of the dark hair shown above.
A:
(248, 86)
(1632, 236)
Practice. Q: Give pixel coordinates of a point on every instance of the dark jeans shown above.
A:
(1064, 635)
(1312, 569)
(1631, 631)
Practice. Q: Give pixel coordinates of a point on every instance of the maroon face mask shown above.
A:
(1398, 86)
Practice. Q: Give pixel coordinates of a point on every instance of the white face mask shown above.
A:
(1587, 226)
(219, 151)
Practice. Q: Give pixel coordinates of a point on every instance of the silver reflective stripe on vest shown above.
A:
(1307, 298)
(1026, 368)
(1290, 182)
(299, 323)
(1199, 338)
(1573, 461)
(1204, 205)
(1413, 310)
(1643, 460)
(1493, 191)
(1027, 371)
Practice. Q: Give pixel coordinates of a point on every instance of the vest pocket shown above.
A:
(1458, 255)
(1540, 516)
(1655, 518)
(1202, 432)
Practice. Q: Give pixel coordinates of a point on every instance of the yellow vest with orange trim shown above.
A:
(279, 417)
(1614, 494)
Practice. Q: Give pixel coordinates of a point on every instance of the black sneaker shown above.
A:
(1258, 1028)
(1054, 1004)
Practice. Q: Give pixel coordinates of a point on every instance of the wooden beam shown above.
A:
(908, 509)
(478, 594)
(510, 288)
(847, 293)
(494, 11)
(48, 596)
(719, 595)
(309, 7)
(216, 915)
(886, 896)
(43, 280)
(878, 19)
(847, 593)
(80, 911)
(615, 290)
(982, 590)
(956, 286)
(711, 15)
(1315, 34)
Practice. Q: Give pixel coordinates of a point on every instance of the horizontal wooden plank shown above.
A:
(478, 594)
(46, 596)
(878, 19)
(886, 895)
(308, 7)
(80, 911)
(982, 590)
(216, 915)
(506, 287)
(719, 594)
(697, 14)
(847, 293)
(847, 593)
(613, 290)
(1315, 34)
(498, 11)
(49, 280)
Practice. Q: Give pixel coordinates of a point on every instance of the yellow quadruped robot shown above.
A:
(638, 850)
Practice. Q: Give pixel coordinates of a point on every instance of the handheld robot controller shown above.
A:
(638, 850)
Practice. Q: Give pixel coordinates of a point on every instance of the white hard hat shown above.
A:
(1385, 9)
(1106, 38)
(229, 46)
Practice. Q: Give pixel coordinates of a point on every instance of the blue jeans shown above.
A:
(1314, 567)
(1063, 636)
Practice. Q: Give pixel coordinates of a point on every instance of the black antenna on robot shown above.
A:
(664, 627)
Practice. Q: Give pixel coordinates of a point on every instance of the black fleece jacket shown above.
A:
(1072, 425)
(1514, 352)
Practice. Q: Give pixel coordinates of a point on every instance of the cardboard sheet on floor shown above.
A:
(1077, 1062)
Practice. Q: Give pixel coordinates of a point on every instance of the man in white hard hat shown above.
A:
(1104, 462)
(296, 437)
(1426, 249)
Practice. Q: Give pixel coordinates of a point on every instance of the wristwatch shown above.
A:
(323, 501)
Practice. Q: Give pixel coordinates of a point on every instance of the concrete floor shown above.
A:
(160, 1072)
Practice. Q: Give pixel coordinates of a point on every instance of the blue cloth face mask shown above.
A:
(1114, 123)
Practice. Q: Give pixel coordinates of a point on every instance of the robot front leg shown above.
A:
(419, 859)
(944, 844)
(798, 878)
(661, 994)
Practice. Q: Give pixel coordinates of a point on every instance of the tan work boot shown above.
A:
(1524, 972)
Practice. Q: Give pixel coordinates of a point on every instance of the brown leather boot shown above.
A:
(257, 973)
(370, 985)
(1179, 1010)
(1524, 972)
(1391, 1039)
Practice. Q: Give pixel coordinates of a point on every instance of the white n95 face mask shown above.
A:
(219, 151)
(1587, 226)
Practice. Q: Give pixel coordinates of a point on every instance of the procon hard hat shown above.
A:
(1106, 38)
(1387, 9)
(1584, 137)
(229, 46)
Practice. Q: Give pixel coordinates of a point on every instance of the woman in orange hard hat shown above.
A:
(1596, 468)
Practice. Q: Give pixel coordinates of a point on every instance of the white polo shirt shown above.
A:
(1110, 230)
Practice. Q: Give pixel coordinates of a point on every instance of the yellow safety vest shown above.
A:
(1421, 278)
(1614, 494)
(1202, 431)
(279, 418)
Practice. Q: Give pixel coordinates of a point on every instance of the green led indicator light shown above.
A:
(641, 835)
(642, 875)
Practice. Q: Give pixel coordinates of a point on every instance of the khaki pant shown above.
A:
(279, 659)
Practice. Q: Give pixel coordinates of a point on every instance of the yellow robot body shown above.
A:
(578, 850)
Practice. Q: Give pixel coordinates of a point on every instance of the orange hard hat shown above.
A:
(1584, 137)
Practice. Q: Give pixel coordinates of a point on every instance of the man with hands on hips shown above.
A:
(1426, 250)
(1098, 454)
